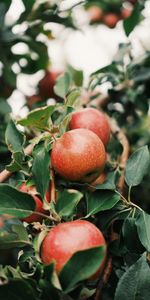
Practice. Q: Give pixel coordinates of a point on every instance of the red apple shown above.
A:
(66, 239)
(93, 120)
(95, 13)
(78, 155)
(110, 20)
(38, 203)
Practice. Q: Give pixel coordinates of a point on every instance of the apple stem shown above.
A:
(5, 174)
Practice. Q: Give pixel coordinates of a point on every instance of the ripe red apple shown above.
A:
(95, 13)
(78, 155)
(110, 20)
(93, 120)
(46, 84)
(38, 202)
(66, 239)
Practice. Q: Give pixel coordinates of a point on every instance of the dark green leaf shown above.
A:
(41, 170)
(38, 118)
(134, 284)
(137, 166)
(62, 85)
(130, 235)
(133, 20)
(67, 201)
(13, 234)
(4, 107)
(17, 289)
(81, 266)
(100, 201)
(14, 138)
(14, 202)
(18, 163)
(143, 228)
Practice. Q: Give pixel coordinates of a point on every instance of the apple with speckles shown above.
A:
(78, 155)
(94, 120)
(66, 239)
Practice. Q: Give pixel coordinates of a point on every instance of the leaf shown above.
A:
(133, 20)
(41, 170)
(14, 202)
(81, 266)
(17, 289)
(72, 98)
(67, 201)
(14, 138)
(19, 162)
(134, 284)
(62, 85)
(109, 184)
(5, 107)
(130, 235)
(137, 166)
(38, 118)
(101, 200)
(143, 226)
(13, 234)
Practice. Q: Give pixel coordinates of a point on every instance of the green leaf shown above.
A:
(17, 289)
(137, 166)
(38, 118)
(67, 201)
(62, 85)
(130, 235)
(41, 170)
(81, 266)
(133, 20)
(143, 226)
(134, 284)
(73, 98)
(14, 202)
(19, 162)
(5, 107)
(14, 138)
(101, 200)
(13, 234)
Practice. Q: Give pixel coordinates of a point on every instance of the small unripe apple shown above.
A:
(95, 13)
(38, 204)
(66, 239)
(94, 120)
(110, 20)
(78, 155)
(100, 180)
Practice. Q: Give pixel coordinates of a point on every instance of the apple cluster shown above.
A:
(110, 17)
(79, 155)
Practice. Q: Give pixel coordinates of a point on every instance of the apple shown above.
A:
(110, 20)
(78, 155)
(100, 180)
(46, 84)
(95, 13)
(94, 120)
(38, 203)
(126, 12)
(66, 239)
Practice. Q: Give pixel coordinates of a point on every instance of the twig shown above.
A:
(104, 279)
(4, 175)
(116, 131)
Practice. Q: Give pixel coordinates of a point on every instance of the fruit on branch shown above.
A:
(100, 180)
(95, 13)
(38, 203)
(66, 239)
(46, 84)
(78, 155)
(94, 120)
(110, 20)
